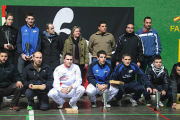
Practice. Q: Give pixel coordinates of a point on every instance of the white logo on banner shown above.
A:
(64, 15)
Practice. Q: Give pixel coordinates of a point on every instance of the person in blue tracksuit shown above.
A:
(125, 72)
(98, 75)
(28, 33)
(151, 42)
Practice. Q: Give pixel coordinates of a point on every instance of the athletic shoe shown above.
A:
(60, 106)
(134, 102)
(29, 107)
(161, 104)
(14, 108)
(73, 106)
(108, 105)
(93, 104)
(148, 103)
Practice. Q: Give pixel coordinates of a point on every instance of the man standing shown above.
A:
(131, 44)
(52, 46)
(67, 83)
(126, 72)
(98, 76)
(37, 73)
(10, 81)
(175, 82)
(8, 35)
(101, 40)
(151, 42)
(159, 81)
(28, 41)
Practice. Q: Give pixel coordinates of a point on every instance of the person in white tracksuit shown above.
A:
(67, 83)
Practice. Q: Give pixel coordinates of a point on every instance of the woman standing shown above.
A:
(77, 46)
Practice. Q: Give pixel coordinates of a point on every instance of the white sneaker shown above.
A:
(60, 106)
(161, 104)
(134, 102)
(93, 104)
(108, 104)
(73, 106)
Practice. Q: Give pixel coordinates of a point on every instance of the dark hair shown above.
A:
(126, 54)
(178, 64)
(47, 25)
(9, 14)
(4, 51)
(69, 54)
(157, 57)
(129, 24)
(101, 52)
(147, 18)
(29, 14)
(101, 22)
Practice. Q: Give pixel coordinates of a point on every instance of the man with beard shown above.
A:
(28, 42)
(52, 46)
(37, 73)
(8, 33)
(131, 44)
(151, 42)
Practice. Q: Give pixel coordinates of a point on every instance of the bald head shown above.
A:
(37, 58)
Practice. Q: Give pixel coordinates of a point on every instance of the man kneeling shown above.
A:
(125, 72)
(98, 76)
(67, 83)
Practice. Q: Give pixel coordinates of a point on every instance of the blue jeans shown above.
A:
(107, 60)
(159, 88)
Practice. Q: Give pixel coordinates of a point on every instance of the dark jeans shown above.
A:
(22, 64)
(132, 87)
(81, 68)
(10, 90)
(147, 61)
(162, 98)
(42, 96)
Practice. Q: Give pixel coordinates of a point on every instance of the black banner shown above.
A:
(64, 18)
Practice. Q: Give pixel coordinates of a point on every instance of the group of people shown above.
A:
(39, 64)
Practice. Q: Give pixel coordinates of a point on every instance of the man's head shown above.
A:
(3, 56)
(30, 19)
(147, 23)
(102, 27)
(126, 59)
(178, 68)
(9, 19)
(75, 32)
(157, 61)
(130, 28)
(101, 56)
(37, 58)
(50, 28)
(68, 59)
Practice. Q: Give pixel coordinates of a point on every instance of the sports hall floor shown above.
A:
(125, 112)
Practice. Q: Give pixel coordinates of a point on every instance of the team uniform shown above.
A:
(64, 77)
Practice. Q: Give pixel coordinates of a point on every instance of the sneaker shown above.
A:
(73, 106)
(108, 105)
(14, 108)
(29, 107)
(161, 104)
(7, 98)
(148, 103)
(93, 104)
(35, 98)
(134, 102)
(119, 103)
(60, 106)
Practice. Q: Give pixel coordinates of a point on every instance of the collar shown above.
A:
(98, 33)
(144, 31)
(66, 66)
(32, 26)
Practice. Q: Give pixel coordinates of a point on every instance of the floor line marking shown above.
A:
(156, 112)
(27, 117)
(31, 114)
(62, 115)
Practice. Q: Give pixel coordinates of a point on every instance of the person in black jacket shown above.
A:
(126, 72)
(8, 33)
(131, 44)
(175, 82)
(51, 46)
(10, 81)
(37, 73)
(159, 81)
